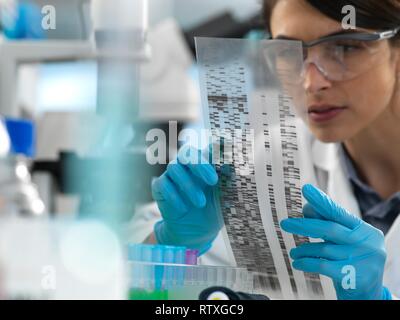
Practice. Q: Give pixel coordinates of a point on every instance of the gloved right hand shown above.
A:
(349, 244)
(186, 196)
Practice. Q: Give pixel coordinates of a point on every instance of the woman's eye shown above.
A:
(348, 47)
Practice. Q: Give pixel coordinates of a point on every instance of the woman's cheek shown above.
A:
(396, 97)
(370, 96)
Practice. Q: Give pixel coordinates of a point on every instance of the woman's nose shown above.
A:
(314, 79)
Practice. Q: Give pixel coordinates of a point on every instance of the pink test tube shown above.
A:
(191, 257)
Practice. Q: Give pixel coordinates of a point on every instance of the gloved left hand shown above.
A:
(351, 248)
(187, 196)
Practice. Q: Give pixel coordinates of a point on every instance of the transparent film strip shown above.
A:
(252, 102)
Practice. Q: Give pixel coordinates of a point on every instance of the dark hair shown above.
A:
(371, 14)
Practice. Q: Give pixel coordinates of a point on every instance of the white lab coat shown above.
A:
(320, 165)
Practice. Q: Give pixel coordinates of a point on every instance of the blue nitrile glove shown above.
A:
(350, 245)
(186, 197)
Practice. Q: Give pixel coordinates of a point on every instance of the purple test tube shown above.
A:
(191, 257)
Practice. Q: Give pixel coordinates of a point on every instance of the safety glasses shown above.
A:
(338, 57)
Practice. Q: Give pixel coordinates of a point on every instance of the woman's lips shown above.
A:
(324, 113)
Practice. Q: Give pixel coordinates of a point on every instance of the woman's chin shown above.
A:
(328, 136)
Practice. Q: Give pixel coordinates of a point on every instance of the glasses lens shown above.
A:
(344, 59)
(285, 59)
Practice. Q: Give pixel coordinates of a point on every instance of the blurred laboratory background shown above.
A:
(58, 79)
(81, 83)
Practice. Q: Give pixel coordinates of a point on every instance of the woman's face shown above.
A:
(339, 110)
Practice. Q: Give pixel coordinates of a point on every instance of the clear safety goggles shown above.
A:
(338, 57)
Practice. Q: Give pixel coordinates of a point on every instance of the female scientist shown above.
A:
(353, 138)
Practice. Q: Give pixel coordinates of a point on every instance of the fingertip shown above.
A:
(285, 224)
(298, 264)
(304, 264)
(292, 253)
(208, 174)
(213, 177)
(314, 195)
(202, 201)
(308, 189)
(294, 226)
(327, 209)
